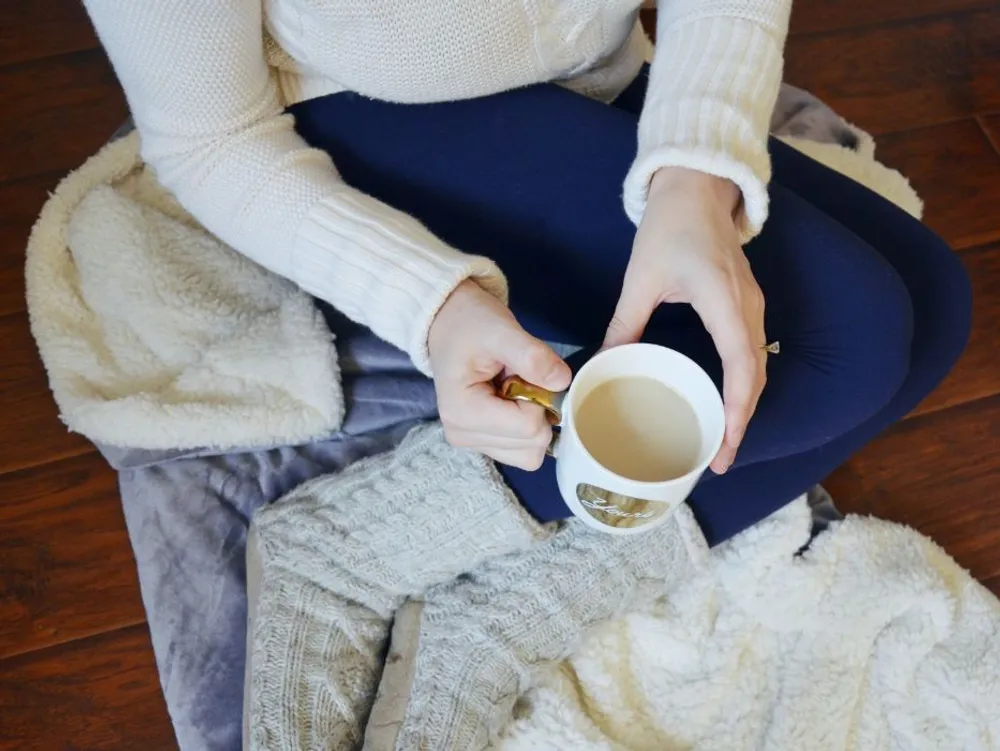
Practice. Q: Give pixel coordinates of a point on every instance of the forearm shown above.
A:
(212, 125)
(713, 84)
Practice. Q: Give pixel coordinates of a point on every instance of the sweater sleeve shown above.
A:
(211, 124)
(713, 84)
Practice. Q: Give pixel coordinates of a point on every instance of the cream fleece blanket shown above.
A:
(873, 638)
(155, 335)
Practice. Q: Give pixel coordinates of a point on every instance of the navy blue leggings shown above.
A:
(872, 309)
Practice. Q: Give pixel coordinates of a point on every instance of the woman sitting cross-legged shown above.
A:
(450, 174)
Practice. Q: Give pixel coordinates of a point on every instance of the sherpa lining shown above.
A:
(155, 335)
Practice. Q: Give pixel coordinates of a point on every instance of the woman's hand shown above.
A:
(687, 249)
(473, 339)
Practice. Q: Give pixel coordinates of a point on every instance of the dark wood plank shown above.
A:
(991, 127)
(57, 112)
(893, 78)
(956, 172)
(21, 202)
(32, 433)
(32, 29)
(101, 694)
(811, 16)
(68, 571)
(938, 474)
(977, 374)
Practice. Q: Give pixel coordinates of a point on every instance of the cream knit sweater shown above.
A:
(208, 80)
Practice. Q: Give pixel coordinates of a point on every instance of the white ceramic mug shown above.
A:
(604, 499)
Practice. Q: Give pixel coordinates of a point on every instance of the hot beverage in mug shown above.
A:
(636, 429)
(639, 428)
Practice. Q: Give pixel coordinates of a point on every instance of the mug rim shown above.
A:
(716, 399)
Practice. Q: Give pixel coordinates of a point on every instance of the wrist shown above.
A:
(466, 296)
(693, 182)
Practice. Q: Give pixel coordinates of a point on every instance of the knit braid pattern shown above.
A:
(338, 556)
(485, 638)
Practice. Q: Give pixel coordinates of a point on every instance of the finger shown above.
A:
(486, 442)
(479, 410)
(532, 359)
(758, 340)
(632, 313)
(527, 459)
(733, 340)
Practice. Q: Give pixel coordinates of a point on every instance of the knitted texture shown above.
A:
(483, 638)
(207, 83)
(338, 555)
(713, 96)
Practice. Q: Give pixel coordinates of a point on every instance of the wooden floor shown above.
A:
(76, 668)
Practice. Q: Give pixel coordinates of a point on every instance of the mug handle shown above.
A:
(516, 389)
(608, 509)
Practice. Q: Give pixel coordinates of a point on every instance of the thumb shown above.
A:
(533, 360)
(630, 318)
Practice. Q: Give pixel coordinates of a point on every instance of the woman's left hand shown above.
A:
(687, 250)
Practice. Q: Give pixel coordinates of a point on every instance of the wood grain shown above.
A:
(937, 473)
(810, 16)
(57, 112)
(100, 694)
(32, 433)
(911, 75)
(21, 202)
(67, 567)
(957, 173)
(31, 29)
(977, 374)
(991, 127)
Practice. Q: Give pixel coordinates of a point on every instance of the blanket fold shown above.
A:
(157, 336)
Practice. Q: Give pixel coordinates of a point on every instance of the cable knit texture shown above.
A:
(482, 639)
(332, 561)
(208, 82)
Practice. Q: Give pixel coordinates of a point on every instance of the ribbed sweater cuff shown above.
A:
(753, 187)
(383, 269)
(713, 85)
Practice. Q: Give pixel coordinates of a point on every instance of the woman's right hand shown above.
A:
(473, 339)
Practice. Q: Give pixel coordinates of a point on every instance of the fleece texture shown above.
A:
(872, 638)
(155, 335)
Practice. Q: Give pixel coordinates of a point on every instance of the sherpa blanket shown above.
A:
(215, 388)
(870, 638)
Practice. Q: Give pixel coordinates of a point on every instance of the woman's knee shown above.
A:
(879, 329)
(837, 305)
(932, 273)
(941, 291)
